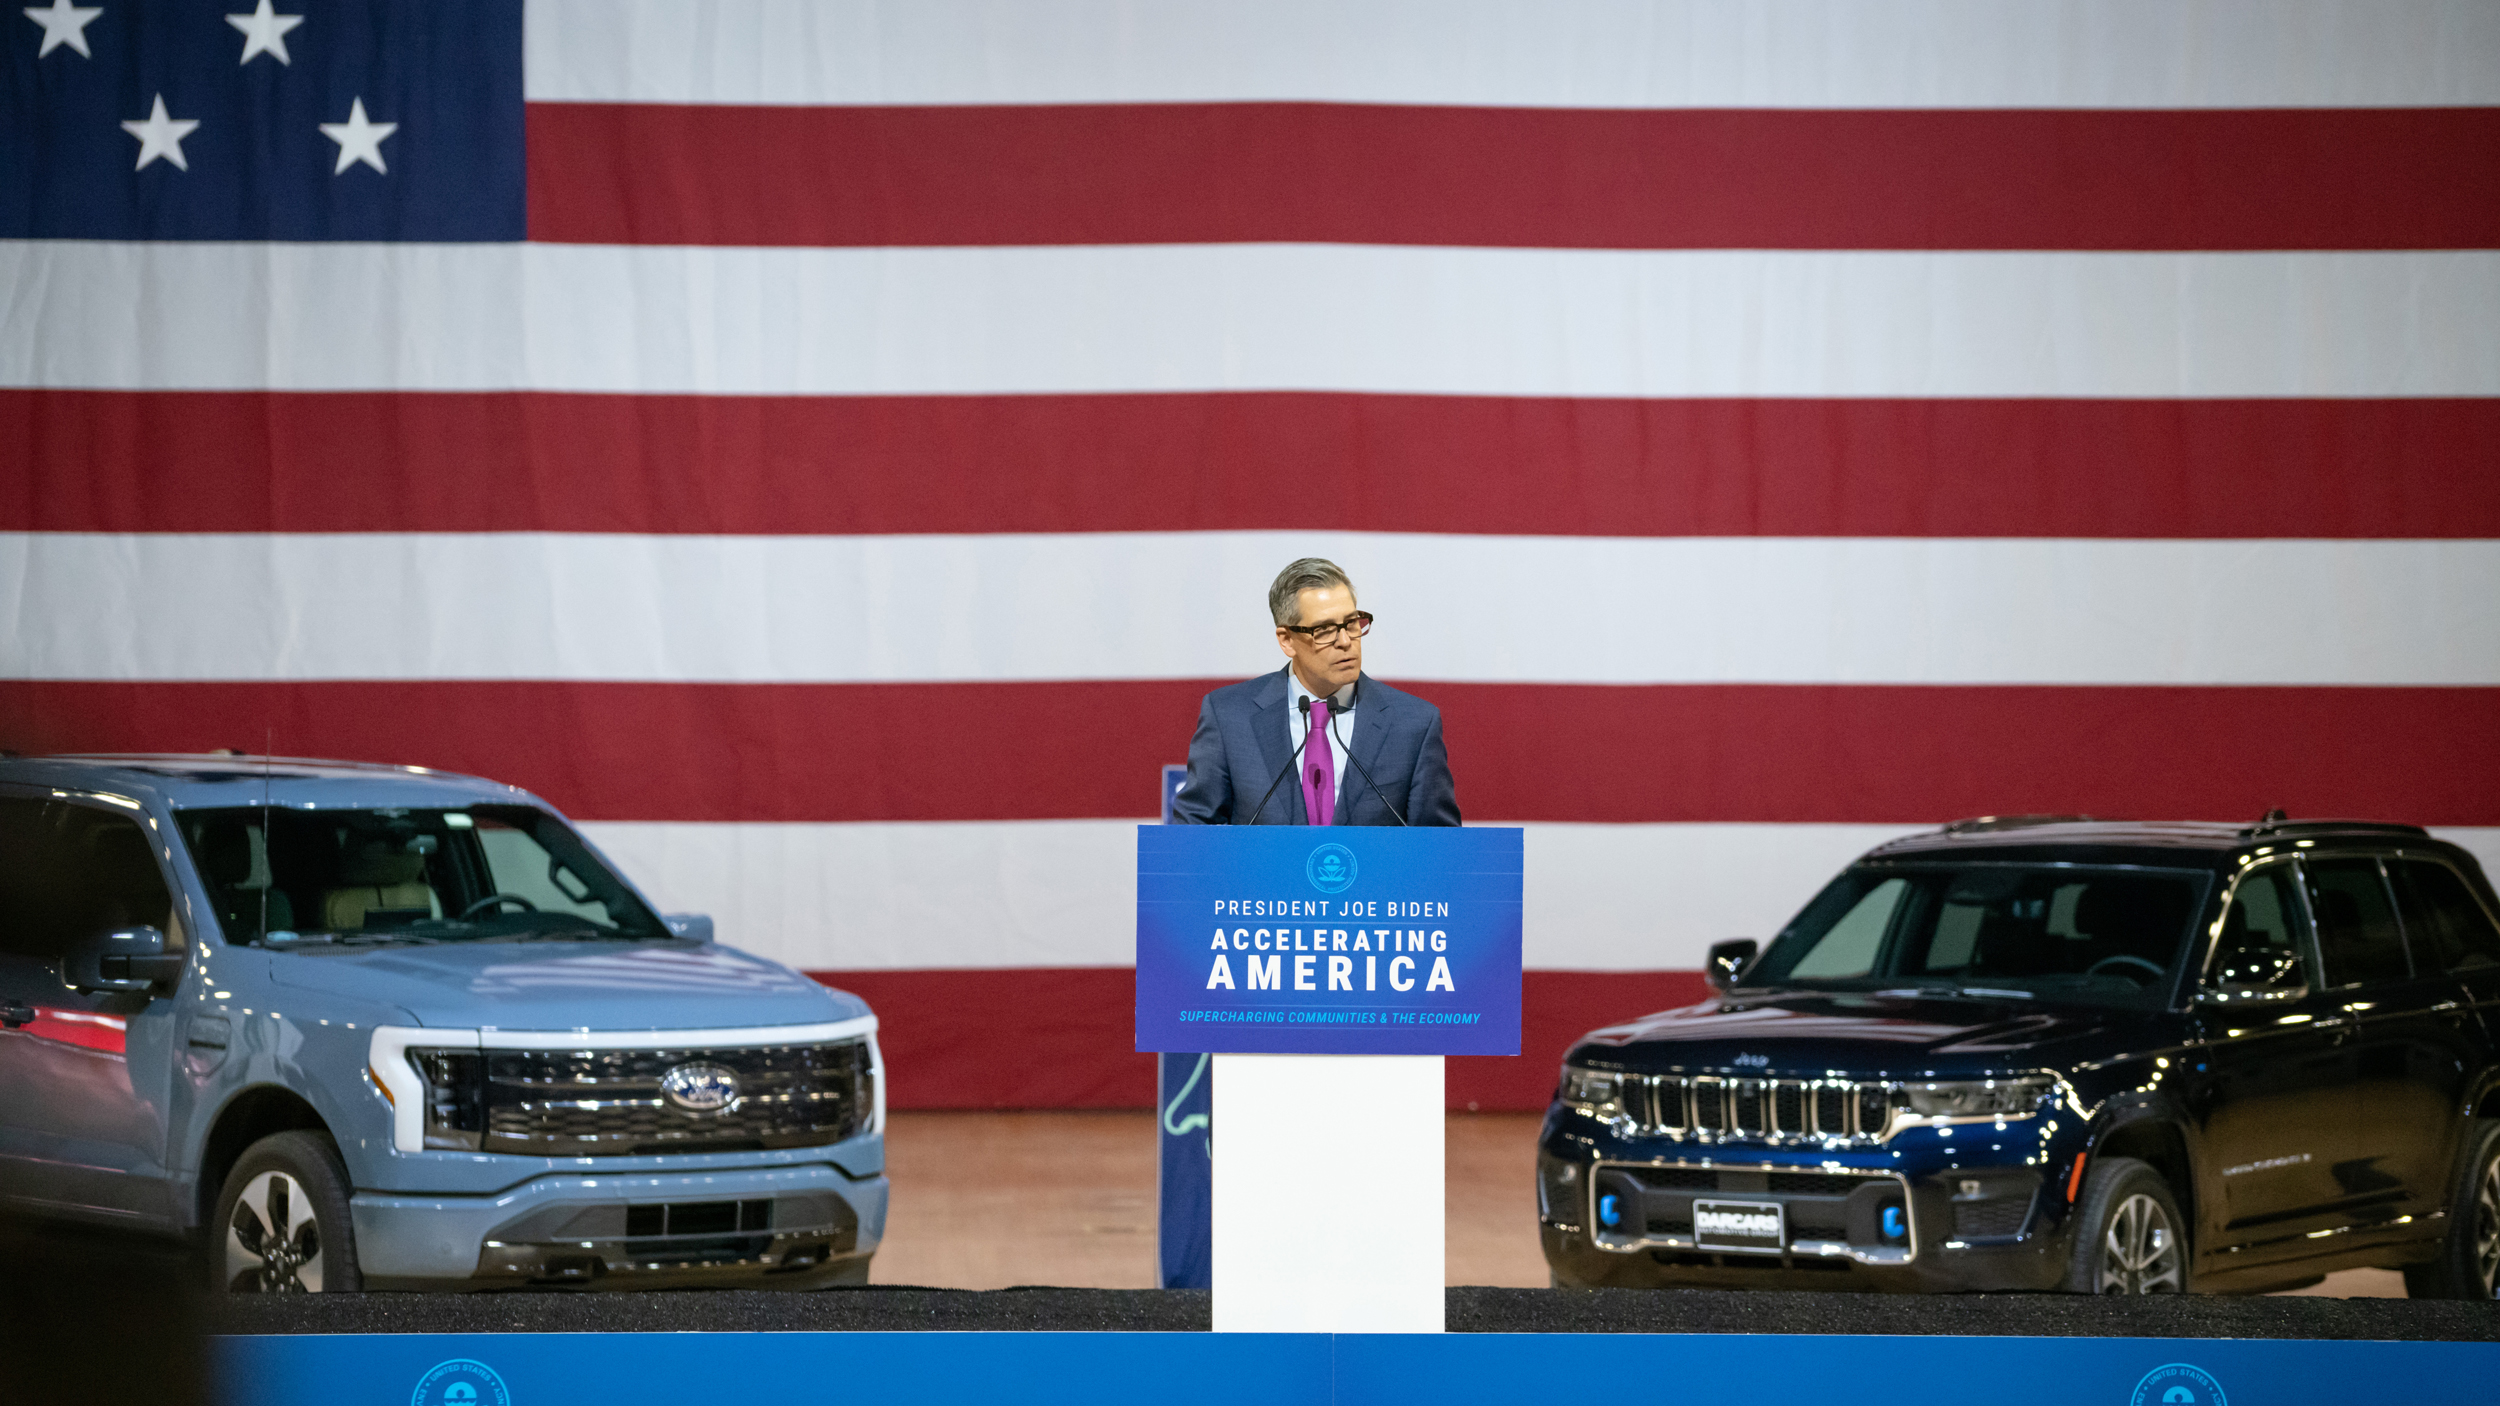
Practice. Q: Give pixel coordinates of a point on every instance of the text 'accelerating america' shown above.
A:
(1349, 954)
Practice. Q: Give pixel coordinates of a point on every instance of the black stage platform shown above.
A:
(1470, 1311)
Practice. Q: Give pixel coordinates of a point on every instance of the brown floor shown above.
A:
(988, 1200)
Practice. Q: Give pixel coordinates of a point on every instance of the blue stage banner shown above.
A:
(1281, 939)
(1220, 1369)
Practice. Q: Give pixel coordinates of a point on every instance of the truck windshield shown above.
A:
(406, 874)
(2100, 936)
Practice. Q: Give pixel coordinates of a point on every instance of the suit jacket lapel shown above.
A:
(1275, 744)
(1371, 731)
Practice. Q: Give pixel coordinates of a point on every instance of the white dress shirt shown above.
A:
(1341, 728)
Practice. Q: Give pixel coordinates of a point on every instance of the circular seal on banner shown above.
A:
(2178, 1384)
(461, 1382)
(1330, 868)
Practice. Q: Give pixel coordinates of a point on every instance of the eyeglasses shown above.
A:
(1360, 622)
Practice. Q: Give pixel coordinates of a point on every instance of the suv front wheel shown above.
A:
(282, 1222)
(2468, 1266)
(2128, 1237)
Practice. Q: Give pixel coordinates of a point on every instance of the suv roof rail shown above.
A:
(2275, 822)
(1982, 824)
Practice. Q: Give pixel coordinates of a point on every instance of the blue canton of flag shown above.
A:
(292, 120)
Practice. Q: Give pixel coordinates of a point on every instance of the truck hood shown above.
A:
(569, 985)
(1800, 1034)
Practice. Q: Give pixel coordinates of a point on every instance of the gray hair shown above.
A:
(1284, 599)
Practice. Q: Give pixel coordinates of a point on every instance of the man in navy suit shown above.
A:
(1363, 753)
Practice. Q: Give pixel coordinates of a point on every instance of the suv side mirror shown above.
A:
(2252, 973)
(1728, 961)
(693, 927)
(128, 959)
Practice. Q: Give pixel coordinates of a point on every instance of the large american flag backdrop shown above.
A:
(828, 448)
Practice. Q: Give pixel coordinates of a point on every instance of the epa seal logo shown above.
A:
(2178, 1384)
(1331, 868)
(461, 1382)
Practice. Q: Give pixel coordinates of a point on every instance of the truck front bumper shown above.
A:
(790, 1226)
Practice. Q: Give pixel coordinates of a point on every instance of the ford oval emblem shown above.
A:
(700, 1088)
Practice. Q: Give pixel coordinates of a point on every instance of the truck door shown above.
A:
(83, 1077)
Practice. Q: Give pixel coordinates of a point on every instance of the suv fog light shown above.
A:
(1610, 1210)
(1896, 1223)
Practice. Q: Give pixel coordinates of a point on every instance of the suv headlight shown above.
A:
(455, 1096)
(1596, 1092)
(1978, 1100)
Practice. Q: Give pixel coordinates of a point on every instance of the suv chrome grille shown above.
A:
(1710, 1107)
(579, 1103)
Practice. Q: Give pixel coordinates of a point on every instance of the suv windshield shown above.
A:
(2101, 936)
(407, 875)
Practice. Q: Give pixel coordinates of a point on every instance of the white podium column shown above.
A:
(1329, 1182)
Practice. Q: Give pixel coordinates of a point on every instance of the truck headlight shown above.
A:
(455, 1096)
(1978, 1100)
(1596, 1092)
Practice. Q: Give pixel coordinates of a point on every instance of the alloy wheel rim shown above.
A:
(2487, 1229)
(273, 1244)
(2139, 1250)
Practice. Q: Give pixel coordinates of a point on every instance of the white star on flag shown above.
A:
(66, 23)
(264, 32)
(358, 139)
(161, 136)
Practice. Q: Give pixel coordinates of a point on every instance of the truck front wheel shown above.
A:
(282, 1223)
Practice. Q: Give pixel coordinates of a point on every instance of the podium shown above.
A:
(1328, 970)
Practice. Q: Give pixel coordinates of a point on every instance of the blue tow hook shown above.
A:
(1896, 1225)
(1610, 1210)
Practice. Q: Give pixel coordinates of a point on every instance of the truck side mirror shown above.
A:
(693, 927)
(1728, 961)
(126, 959)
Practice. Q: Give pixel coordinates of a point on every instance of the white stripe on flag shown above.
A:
(1060, 893)
(1185, 605)
(1584, 322)
(1591, 53)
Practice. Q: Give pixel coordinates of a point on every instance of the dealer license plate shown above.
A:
(1760, 1227)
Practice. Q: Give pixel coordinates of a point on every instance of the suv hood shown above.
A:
(1810, 1034)
(570, 985)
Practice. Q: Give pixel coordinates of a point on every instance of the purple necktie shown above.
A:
(1319, 769)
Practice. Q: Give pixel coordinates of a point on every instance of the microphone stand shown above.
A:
(1292, 755)
(1358, 766)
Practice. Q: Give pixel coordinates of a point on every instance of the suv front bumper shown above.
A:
(1923, 1213)
(789, 1226)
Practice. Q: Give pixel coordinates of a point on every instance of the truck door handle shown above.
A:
(14, 1013)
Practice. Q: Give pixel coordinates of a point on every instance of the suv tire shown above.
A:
(2468, 1266)
(2129, 1236)
(282, 1224)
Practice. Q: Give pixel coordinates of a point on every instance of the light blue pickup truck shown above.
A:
(367, 1027)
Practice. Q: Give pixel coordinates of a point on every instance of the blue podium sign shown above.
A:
(1283, 939)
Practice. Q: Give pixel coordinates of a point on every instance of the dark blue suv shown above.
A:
(2050, 1053)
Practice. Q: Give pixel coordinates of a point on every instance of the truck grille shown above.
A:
(587, 1103)
(1705, 1107)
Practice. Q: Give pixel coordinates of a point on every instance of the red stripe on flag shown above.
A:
(979, 751)
(2328, 178)
(1073, 1030)
(98, 461)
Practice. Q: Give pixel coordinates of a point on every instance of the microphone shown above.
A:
(1292, 755)
(1358, 766)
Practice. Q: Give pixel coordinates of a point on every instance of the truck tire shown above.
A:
(2129, 1236)
(282, 1224)
(2468, 1266)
